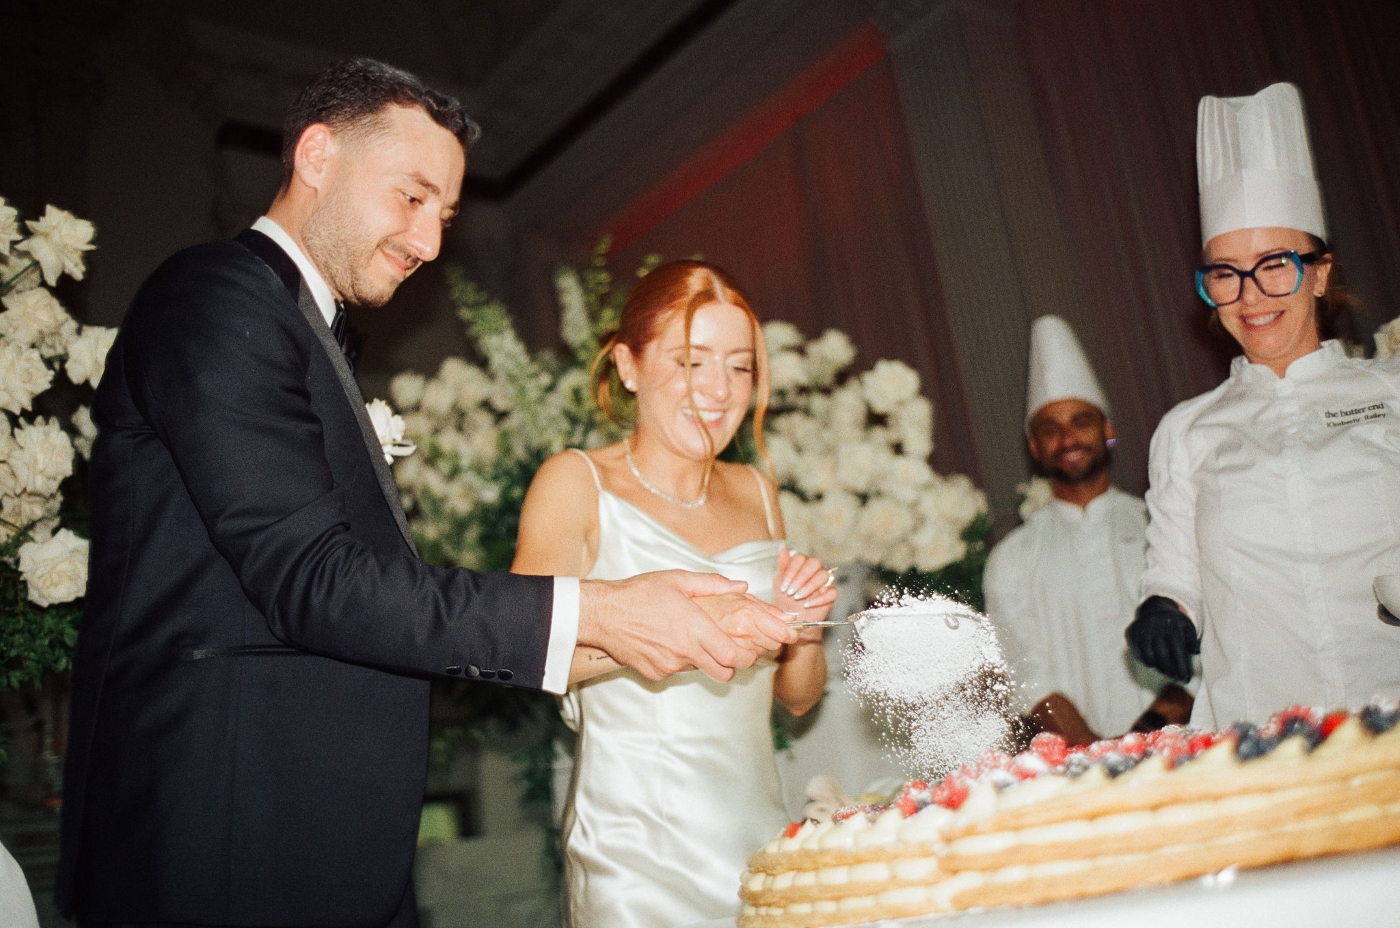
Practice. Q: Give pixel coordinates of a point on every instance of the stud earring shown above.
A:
(631, 385)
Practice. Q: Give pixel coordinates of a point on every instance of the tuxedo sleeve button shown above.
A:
(454, 670)
(504, 674)
(473, 670)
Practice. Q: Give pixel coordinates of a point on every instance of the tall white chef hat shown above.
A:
(1254, 166)
(1059, 369)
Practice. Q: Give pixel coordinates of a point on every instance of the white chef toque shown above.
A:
(1254, 166)
(1059, 370)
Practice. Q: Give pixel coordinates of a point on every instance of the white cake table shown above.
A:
(1355, 890)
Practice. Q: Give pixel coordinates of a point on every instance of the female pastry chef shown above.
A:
(1275, 497)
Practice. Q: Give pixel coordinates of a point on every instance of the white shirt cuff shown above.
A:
(563, 635)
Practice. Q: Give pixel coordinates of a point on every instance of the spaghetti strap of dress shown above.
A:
(767, 506)
(597, 482)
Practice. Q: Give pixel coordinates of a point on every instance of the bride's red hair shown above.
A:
(671, 288)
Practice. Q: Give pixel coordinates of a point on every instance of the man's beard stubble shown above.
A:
(1096, 465)
(343, 254)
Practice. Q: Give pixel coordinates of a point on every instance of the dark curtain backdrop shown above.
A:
(825, 228)
(1116, 84)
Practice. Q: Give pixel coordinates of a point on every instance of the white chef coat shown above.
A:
(1275, 502)
(1060, 591)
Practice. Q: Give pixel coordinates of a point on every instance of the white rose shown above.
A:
(87, 431)
(9, 483)
(43, 456)
(1035, 494)
(861, 465)
(835, 520)
(848, 410)
(33, 317)
(936, 545)
(23, 376)
(58, 241)
(388, 428)
(87, 354)
(906, 478)
(406, 389)
(828, 356)
(888, 384)
(574, 325)
(786, 371)
(953, 500)
(781, 336)
(56, 570)
(1388, 339)
(900, 557)
(9, 227)
(38, 513)
(798, 519)
(802, 430)
(783, 453)
(816, 473)
(20, 273)
(883, 523)
(912, 421)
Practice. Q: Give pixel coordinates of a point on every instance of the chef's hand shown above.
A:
(1163, 637)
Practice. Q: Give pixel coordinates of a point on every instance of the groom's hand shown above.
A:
(652, 624)
(749, 621)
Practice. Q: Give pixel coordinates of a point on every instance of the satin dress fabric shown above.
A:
(675, 784)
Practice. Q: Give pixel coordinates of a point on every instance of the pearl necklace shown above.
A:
(632, 466)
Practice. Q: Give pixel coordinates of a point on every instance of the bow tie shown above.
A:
(343, 337)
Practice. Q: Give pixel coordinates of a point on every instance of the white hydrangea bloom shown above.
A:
(43, 456)
(406, 389)
(783, 453)
(9, 227)
(34, 318)
(57, 242)
(23, 375)
(786, 371)
(888, 384)
(883, 522)
(828, 356)
(1388, 339)
(1035, 494)
(87, 431)
(574, 325)
(55, 570)
(779, 336)
(87, 354)
(438, 400)
(835, 523)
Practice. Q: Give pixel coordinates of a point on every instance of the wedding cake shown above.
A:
(1051, 824)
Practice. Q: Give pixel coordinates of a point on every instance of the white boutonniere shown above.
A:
(388, 428)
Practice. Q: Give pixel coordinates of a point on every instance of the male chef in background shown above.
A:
(1062, 587)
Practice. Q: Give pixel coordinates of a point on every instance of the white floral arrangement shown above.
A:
(851, 455)
(38, 340)
(1388, 339)
(485, 429)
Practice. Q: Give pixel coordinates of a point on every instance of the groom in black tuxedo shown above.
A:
(249, 721)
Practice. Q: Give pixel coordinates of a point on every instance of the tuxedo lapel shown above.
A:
(286, 270)
(312, 312)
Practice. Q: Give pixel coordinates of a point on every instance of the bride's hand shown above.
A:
(804, 586)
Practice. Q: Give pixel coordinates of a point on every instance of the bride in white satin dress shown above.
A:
(674, 783)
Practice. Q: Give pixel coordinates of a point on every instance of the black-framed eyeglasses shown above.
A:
(1278, 274)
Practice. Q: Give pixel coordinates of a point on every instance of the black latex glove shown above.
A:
(1163, 637)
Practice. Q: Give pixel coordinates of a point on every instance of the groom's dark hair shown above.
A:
(349, 95)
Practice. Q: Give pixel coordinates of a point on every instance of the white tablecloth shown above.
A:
(1352, 890)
